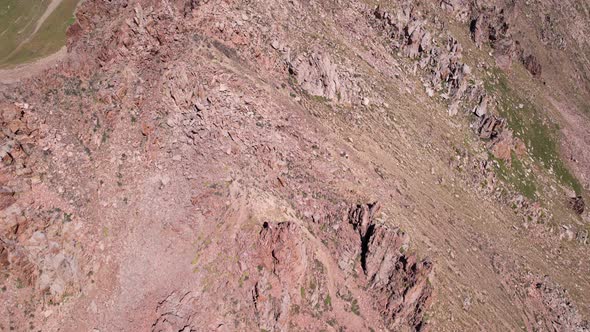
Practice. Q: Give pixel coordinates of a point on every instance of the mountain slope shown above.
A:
(207, 165)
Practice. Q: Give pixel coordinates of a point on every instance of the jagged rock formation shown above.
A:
(399, 281)
(408, 33)
(375, 256)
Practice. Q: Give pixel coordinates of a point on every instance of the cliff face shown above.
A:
(214, 165)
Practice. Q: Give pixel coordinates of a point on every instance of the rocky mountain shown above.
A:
(346, 165)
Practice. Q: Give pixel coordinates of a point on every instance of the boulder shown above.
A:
(482, 108)
(490, 126)
(532, 64)
(577, 204)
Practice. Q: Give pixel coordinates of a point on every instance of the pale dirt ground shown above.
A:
(27, 70)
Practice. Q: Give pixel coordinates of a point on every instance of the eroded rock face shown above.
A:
(398, 282)
(293, 270)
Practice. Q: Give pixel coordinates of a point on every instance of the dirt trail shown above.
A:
(52, 5)
(12, 75)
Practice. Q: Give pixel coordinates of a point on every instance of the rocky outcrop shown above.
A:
(493, 129)
(398, 281)
(441, 61)
(372, 257)
(490, 126)
(35, 261)
(550, 307)
(491, 25)
(460, 8)
(30, 258)
(282, 258)
(482, 108)
(16, 137)
(448, 75)
(532, 64)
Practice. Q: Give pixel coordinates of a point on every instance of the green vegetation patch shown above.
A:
(50, 37)
(17, 22)
(540, 135)
(517, 175)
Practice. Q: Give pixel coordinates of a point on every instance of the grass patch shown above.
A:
(528, 123)
(319, 99)
(354, 307)
(516, 174)
(328, 302)
(50, 37)
(17, 22)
